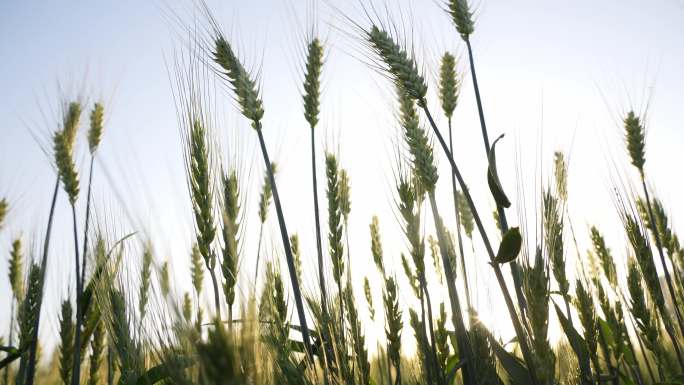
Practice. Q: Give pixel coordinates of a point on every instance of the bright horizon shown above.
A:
(561, 89)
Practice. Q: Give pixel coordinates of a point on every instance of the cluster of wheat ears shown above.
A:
(614, 332)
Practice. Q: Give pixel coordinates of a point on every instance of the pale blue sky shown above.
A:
(553, 75)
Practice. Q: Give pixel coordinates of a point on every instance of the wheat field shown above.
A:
(476, 278)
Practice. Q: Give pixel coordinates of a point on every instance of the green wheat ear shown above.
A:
(96, 353)
(297, 254)
(376, 244)
(394, 326)
(196, 269)
(312, 82)
(467, 219)
(164, 279)
(266, 194)
(63, 147)
(16, 270)
(29, 307)
(334, 217)
(417, 141)
(231, 226)
(560, 171)
(145, 280)
(634, 136)
(462, 17)
(96, 127)
(587, 315)
(201, 191)
(369, 298)
(187, 307)
(66, 346)
(345, 194)
(644, 257)
(4, 208)
(71, 122)
(448, 84)
(245, 88)
(400, 65)
(604, 256)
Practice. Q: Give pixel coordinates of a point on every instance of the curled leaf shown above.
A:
(493, 178)
(510, 245)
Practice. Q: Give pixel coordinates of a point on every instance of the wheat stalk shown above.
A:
(311, 98)
(247, 95)
(63, 146)
(635, 136)
(94, 138)
(462, 17)
(449, 87)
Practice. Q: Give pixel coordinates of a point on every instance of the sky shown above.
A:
(553, 75)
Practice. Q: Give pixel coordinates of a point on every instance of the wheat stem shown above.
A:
(87, 224)
(288, 249)
(256, 269)
(31, 366)
(76, 371)
(319, 247)
(438, 373)
(515, 268)
(454, 189)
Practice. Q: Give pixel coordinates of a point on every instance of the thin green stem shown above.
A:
(438, 372)
(214, 282)
(428, 361)
(319, 248)
(454, 189)
(76, 370)
(87, 224)
(288, 250)
(515, 269)
(31, 366)
(256, 270)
